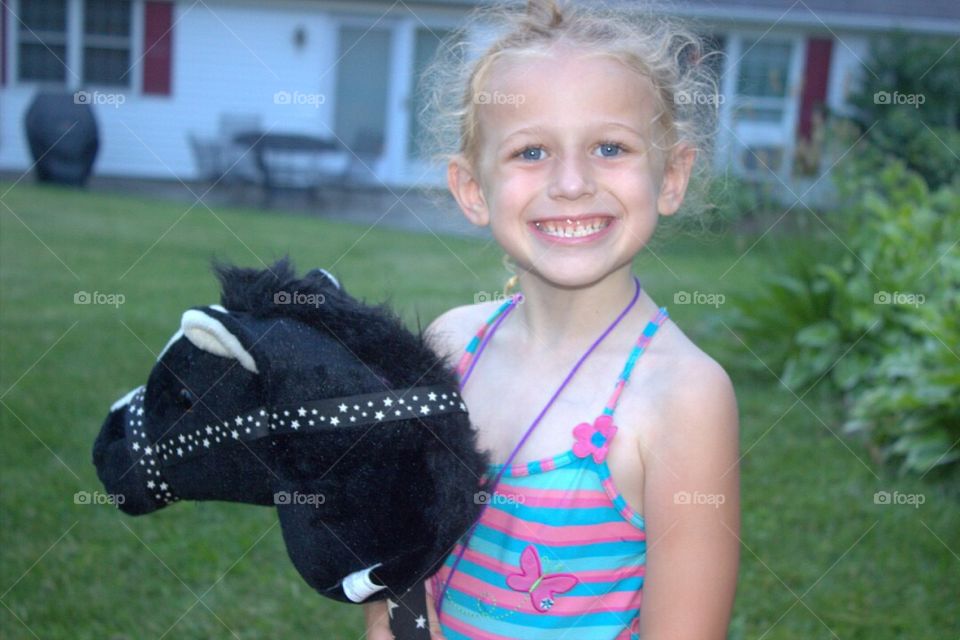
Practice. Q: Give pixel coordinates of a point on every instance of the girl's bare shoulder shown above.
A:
(695, 390)
(452, 330)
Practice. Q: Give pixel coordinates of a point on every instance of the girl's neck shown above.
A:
(552, 319)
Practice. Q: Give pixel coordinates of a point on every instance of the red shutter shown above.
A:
(815, 77)
(157, 47)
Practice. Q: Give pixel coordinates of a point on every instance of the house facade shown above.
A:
(164, 74)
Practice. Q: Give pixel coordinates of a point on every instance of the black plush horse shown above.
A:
(291, 393)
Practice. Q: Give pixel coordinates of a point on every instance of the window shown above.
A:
(764, 69)
(47, 28)
(43, 40)
(106, 42)
(763, 81)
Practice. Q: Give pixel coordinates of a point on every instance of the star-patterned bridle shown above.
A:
(304, 417)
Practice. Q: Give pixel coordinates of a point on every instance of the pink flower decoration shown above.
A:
(594, 438)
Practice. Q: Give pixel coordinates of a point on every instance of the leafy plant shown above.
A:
(880, 320)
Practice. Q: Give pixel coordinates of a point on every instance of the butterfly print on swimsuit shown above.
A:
(542, 588)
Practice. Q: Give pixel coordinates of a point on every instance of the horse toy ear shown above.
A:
(208, 333)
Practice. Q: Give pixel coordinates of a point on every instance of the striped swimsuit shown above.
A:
(557, 549)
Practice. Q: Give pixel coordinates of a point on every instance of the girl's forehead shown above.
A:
(563, 90)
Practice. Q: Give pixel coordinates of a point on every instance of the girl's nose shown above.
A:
(573, 177)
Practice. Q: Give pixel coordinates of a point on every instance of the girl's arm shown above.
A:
(378, 623)
(692, 509)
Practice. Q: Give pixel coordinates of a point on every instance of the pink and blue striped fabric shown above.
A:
(557, 552)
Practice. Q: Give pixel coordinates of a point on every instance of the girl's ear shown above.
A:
(676, 177)
(466, 189)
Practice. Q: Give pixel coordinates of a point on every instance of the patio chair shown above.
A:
(237, 164)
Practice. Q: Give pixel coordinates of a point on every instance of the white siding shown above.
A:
(227, 58)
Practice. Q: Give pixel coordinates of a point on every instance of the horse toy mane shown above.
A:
(293, 394)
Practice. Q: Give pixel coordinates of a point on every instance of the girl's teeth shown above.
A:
(571, 230)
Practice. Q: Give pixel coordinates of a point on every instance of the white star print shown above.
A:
(239, 421)
(180, 451)
(424, 409)
(148, 451)
(421, 623)
(136, 446)
(206, 442)
(235, 434)
(301, 412)
(295, 424)
(343, 408)
(388, 402)
(151, 484)
(334, 420)
(432, 396)
(209, 430)
(378, 415)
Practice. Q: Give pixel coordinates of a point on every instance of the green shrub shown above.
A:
(880, 320)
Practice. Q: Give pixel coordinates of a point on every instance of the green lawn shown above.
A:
(819, 559)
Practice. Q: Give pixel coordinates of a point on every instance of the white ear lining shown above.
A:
(331, 276)
(179, 334)
(209, 334)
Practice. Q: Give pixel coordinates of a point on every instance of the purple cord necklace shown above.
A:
(463, 382)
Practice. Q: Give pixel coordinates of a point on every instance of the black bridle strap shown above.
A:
(313, 416)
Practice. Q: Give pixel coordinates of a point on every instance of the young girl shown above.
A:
(615, 436)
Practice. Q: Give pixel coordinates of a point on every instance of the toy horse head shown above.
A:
(293, 394)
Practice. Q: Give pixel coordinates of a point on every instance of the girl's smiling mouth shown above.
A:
(574, 229)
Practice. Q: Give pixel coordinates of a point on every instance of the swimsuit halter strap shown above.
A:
(638, 349)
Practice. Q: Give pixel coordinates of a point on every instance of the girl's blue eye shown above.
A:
(530, 153)
(610, 146)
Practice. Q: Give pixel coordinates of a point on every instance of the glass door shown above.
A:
(363, 83)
